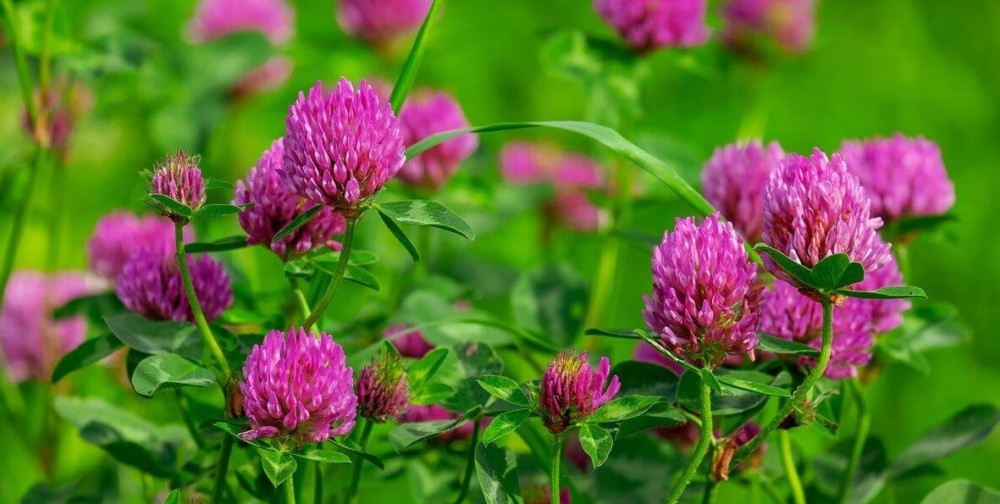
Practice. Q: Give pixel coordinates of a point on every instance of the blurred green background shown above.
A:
(922, 67)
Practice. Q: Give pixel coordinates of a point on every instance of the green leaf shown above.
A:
(623, 408)
(426, 213)
(496, 470)
(431, 393)
(362, 277)
(797, 271)
(476, 360)
(353, 448)
(961, 492)
(235, 430)
(709, 378)
(296, 223)
(613, 333)
(407, 435)
(837, 271)
(89, 352)
(174, 497)
(215, 210)
(969, 427)
(767, 343)
(606, 136)
(409, 73)
(733, 403)
(400, 236)
(277, 466)
(754, 386)
(916, 224)
(169, 371)
(645, 379)
(892, 292)
(324, 456)
(504, 388)
(551, 300)
(98, 304)
(156, 337)
(173, 206)
(218, 184)
(220, 245)
(504, 424)
(596, 442)
(421, 371)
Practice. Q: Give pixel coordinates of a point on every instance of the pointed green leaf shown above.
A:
(752, 386)
(767, 343)
(215, 210)
(168, 371)
(623, 408)
(324, 456)
(353, 448)
(797, 271)
(400, 236)
(277, 466)
(89, 352)
(156, 337)
(962, 492)
(596, 442)
(407, 435)
(296, 223)
(361, 277)
(173, 206)
(174, 497)
(496, 470)
(421, 371)
(431, 393)
(504, 388)
(426, 213)
(613, 333)
(220, 245)
(893, 292)
(218, 184)
(968, 427)
(711, 381)
(504, 424)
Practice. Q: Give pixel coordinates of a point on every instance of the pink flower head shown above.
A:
(341, 147)
(217, 18)
(789, 23)
(120, 234)
(383, 391)
(297, 388)
(528, 163)
(270, 75)
(789, 314)
(904, 177)
(179, 178)
(651, 24)
(381, 21)
(275, 206)
(705, 300)
(30, 339)
(58, 115)
(576, 211)
(733, 181)
(571, 390)
(576, 171)
(150, 284)
(814, 208)
(409, 342)
(423, 115)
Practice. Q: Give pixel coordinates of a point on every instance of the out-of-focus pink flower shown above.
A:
(789, 23)
(651, 24)
(733, 181)
(429, 413)
(150, 284)
(30, 339)
(409, 342)
(541, 494)
(426, 113)
(120, 234)
(298, 388)
(381, 21)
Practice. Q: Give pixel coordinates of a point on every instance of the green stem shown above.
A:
(700, 450)
(557, 452)
(17, 228)
(21, 63)
(352, 491)
(470, 463)
(300, 298)
(220, 472)
(338, 274)
(188, 422)
(788, 462)
(864, 423)
(708, 497)
(318, 488)
(289, 486)
(199, 315)
(801, 393)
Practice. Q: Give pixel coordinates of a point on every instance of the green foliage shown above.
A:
(161, 371)
(278, 466)
(425, 213)
(89, 352)
(496, 469)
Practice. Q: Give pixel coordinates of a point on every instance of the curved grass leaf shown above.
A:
(596, 443)
(409, 73)
(87, 353)
(767, 343)
(169, 371)
(296, 223)
(220, 245)
(400, 236)
(426, 213)
(504, 424)
(892, 292)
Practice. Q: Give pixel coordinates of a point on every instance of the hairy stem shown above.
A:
(470, 464)
(338, 274)
(788, 462)
(289, 486)
(801, 393)
(352, 491)
(225, 452)
(864, 423)
(199, 315)
(557, 452)
(701, 449)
